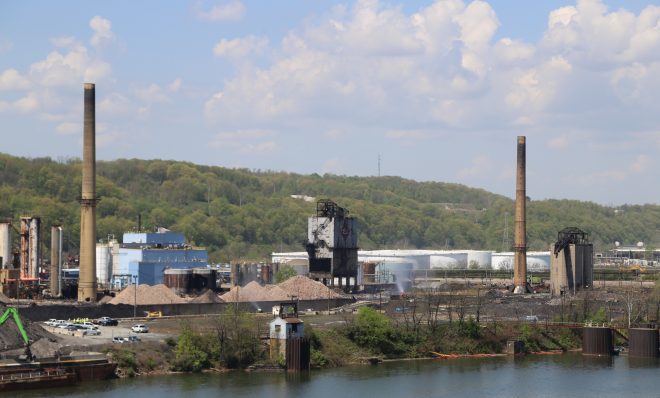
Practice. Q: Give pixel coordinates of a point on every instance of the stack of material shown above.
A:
(207, 297)
(253, 292)
(299, 286)
(147, 295)
(307, 289)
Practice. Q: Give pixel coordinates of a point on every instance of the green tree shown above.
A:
(285, 272)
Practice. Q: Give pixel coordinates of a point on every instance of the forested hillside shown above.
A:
(243, 214)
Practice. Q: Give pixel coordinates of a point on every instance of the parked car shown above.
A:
(140, 328)
(118, 339)
(89, 325)
(132, 339)
(51, 322)
(91, 332)
(106, 321)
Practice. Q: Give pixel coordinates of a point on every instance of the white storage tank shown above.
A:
(479, 259)
(538, 261)
(103, 264)
(449, 260)
(502, 261)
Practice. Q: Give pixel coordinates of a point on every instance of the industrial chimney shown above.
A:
(87, 279)
(55, 259)
(520, 234)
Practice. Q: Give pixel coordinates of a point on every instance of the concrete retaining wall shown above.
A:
(45, 312)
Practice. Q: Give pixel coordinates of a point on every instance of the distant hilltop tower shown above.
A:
(88, 199)
(520, 233)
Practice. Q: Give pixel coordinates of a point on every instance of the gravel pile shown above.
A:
(207, 297)
(147, 295)
(307, 289)
(300, 286)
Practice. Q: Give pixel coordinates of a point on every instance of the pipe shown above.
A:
(34, 245)
(520, 233)
(87, 279)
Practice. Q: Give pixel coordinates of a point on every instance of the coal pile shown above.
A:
(10, 336)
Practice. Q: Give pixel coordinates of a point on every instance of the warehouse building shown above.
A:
(143, 258)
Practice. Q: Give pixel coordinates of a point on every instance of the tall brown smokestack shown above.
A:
(520, 234)
(55, 259)
(87, 279)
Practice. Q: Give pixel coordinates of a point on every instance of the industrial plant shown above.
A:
(158, 273)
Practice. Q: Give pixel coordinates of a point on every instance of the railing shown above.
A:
(32, 375)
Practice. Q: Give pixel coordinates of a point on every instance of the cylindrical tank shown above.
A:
(103, 264)
(265, 273)
(479, 259)
(502, 261)
(449, 260)
(179, 280)
(369, 272)
(643, 342)
(203, 278)
(538, 261)
(5, 243)
(597, 341)
(35, 243)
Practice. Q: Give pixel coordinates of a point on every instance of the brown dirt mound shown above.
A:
(207, 297)
(146, 295)
(253, 292)
(307, 289)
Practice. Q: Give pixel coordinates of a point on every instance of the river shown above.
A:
(566, 375)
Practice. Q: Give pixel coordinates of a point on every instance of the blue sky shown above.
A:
(439, 90)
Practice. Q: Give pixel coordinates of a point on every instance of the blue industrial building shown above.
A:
(143, 257)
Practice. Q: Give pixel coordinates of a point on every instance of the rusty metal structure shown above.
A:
(643, 342)
(298, 352)
(332, 245)
(597, 341)
(25, 246)
(87, 281)
(520, 232)
(571, 262)
(55, 260)
(179, 280)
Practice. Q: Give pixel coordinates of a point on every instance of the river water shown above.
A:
(567, 375)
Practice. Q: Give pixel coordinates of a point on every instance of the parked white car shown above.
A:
(91, 332)
(140, 328)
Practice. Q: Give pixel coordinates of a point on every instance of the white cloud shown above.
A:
(28, 103)
(241, 47)
(11, 79)
(245, 141)
(175, 86)
(152, 94)
(69, 128)
(102, 30)
(641, 164)
(480, 165)
(231, 11)
(559, 142)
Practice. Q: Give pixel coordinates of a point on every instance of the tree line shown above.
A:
(240, 214)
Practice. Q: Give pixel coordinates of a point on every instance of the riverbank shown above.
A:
(233, 343)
